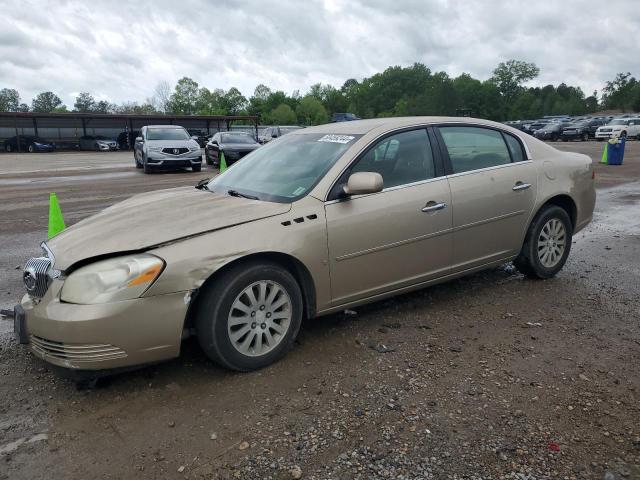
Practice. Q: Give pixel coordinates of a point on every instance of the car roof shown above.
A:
(164, 126)
(361, 127)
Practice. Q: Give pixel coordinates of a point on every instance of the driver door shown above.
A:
(395, 238)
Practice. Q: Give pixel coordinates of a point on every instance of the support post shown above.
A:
(15, 121)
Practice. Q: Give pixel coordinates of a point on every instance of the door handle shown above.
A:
(433, 206)
(520, 186)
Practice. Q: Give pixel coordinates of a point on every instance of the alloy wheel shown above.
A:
(552, 243)
(259, 318)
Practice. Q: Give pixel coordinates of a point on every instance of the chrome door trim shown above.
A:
(488, 220)
(520, 186)
(393, 245)
(389, 189)
(487, 169)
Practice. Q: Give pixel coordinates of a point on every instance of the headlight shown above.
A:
(193, 149)
(112, 280)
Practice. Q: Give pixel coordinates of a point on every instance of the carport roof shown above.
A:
(118, 116)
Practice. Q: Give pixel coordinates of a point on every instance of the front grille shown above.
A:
(35, 276)
(605, 130)
(76, 352)
(175, 151)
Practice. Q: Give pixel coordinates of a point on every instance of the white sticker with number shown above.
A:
(336, 138)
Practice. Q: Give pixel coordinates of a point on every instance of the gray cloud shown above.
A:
(120, 50)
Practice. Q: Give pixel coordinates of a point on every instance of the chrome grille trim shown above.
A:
(35, 276)
(76, 352)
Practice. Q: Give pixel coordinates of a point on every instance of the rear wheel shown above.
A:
(31, 148)
(250, 316)
(8, 148)
(547, 244)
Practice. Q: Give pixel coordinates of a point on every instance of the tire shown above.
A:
(8, 148)
(196, 168)
(145, 166)
(623, 135)
(585, 137)
(31, 148)
(532, 261)
(208, 160)
(564, 139)
(135, 158)
(216, 304)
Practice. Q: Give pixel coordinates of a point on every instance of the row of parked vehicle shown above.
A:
(581, 128)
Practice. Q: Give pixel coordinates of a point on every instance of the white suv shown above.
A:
(619, 127)
(166, 147)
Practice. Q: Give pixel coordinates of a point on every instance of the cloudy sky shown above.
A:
(119, 50)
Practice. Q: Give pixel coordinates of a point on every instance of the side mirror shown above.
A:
(138, 139)
(361, 183)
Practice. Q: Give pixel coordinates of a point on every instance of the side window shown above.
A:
(402, 158)
(515, 148)
(473, 148)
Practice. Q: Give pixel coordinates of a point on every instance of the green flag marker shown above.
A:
(223, 162)
(604, 153)
(56, 222)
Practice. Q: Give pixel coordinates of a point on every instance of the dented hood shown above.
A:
(150, 219)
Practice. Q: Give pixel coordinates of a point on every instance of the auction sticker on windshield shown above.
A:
(336, 138)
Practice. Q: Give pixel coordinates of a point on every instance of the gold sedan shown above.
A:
(320, 220)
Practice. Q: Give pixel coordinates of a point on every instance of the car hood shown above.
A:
(172, 143)
(150, 219)
(239, 146)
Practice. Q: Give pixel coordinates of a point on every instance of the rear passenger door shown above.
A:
(493, 191)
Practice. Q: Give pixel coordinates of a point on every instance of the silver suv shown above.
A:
(166, 147)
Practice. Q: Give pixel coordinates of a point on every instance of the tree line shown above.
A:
(397, 91)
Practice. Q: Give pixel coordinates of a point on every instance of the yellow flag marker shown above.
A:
(223, 162)
(56, 222)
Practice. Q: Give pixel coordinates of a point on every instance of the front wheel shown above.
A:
(547, 243)
(145, 166)
(196, 168)
(8, 148)
(585, 137)
(250, 316)
(31, 148)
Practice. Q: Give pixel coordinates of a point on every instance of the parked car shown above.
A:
(324, 219)
(270, 133)
(97, 142)
(126, 140)
(619, 127)
(166, 147)
(29, 144)
(234, 145)
(581, 130)
(199, 136)
(550, 131)
(343, 117)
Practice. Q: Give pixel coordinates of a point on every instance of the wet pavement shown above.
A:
(489, 376)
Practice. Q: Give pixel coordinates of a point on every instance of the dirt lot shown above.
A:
(491, 376)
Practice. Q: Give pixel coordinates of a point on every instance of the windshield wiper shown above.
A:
(235, 193)
(202, 184)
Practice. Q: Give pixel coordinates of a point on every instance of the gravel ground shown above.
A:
(492, 376)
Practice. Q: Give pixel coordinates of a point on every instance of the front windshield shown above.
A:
(618, 122)
(167, 134)
(101, 137)
(286, 169)
(237, 138)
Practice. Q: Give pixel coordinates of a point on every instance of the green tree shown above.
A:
(310, 111)
(283, 114)
(45, 102)
(509, 76)
(9, 100)
(184, 99)
(103, 107)
(84, 103)
(233, 101)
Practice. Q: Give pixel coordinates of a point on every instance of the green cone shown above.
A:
(56, 222)
(604, 153)
(223, 162)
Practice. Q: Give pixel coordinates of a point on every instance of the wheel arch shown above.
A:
(563, 201)
(294, 266)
